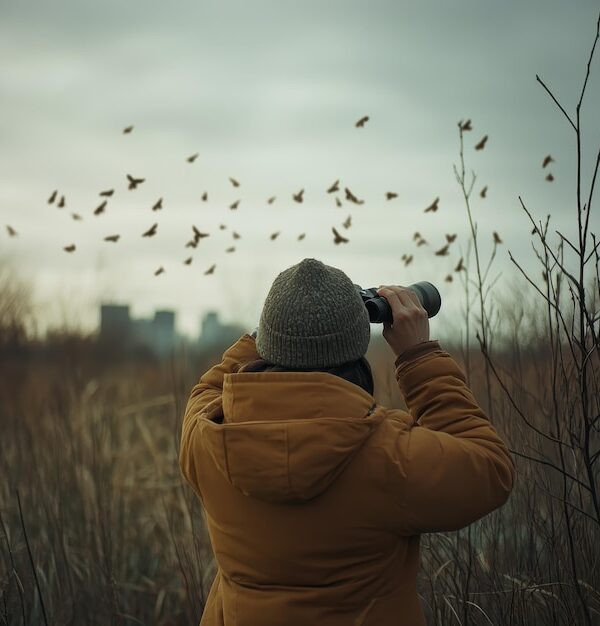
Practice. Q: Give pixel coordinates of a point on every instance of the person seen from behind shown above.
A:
(315, 496)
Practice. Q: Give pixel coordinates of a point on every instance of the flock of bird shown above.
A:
(134, 182)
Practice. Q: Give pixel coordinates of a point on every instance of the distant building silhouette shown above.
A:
(213, 334)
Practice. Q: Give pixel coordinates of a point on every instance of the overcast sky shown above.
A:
(268, 92)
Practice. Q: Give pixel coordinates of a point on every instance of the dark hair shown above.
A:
(357, 372)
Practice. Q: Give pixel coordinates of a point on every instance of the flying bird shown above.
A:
(198, 235)
(234, 182)
(465, 125)
(448, 278)
(188, 260)
(134, 182)
(459, 266)
(230, 249)
(481, 144)
(113, 238)
(407, 259)
(450, 238)
(390, 195)
(210, 270)
(271, 199)
(127, 129)
(496, 237)
(347, 222)
(335, 187)
(234, 205)
(442, 251)
(351, 197)
(275, 235)
(362, 121)
(158, 205)
(338, 237)
(483, 192)
(338, 201)
(222, 227)
(151, 231)
(107, 193)
(11, 231)
(160, 270)
(52, 198)
(301, 236)
(192, 158)
(421, 242)
(547, 159)
(416, 236)
(76, 216)
(205, 196)
(298, 196)
(100, 208)
(432, 207)
(549, 178)
(192, 243)
(70, 248)
(61, 202)
(235, 235)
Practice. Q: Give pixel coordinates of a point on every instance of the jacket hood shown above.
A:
(286, 436)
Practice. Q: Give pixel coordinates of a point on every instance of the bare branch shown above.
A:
(557, 102)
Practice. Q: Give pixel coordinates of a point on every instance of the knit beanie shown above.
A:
(313, 316)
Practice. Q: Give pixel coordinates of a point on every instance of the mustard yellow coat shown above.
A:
(315, 496)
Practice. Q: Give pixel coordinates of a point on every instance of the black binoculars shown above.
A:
(380, 311)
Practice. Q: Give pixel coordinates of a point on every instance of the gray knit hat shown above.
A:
(313, 316)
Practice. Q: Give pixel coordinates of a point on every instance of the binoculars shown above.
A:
(379, 310)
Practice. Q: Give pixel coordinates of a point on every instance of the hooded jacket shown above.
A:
(315, 496)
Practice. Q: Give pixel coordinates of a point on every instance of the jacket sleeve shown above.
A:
(450, 466)
(207, 390)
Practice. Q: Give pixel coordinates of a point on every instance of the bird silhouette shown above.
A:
(157, 205)
(547, 159)
(301, 236)
(362, 121)
(127, 129)
(275, 235)
(298, 196)
(496, 237)
(421, 242)
(481, 143)
(459, 267)
(70, 248)
(151, 231)
(234, 205)
(113, 238)
(160, 270)
(407, 259)
(390, 195)
(351, 197)
(76, 216)
(483, 192)
(134, 182)
(61, 202)
(52, 197)
(338, 238)
(448, 278)
(188, 260)
(234, 182)
(11, 231)
(192, 243)
(107, 193)
(450, 238)
(549, 178)
(347, 222)
(235, 235)
(199, 235)
(432, 207)
(443, 251)
(222, 227)
(210, 270)
(192, 158)
(417, 235)
(205, 196)
(100, 208)
(230, 249)
(335, 187)
(338, 201)
(465, 125)
(271, 199)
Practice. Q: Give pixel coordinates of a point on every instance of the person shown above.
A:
(314, 495)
